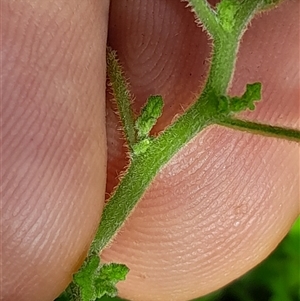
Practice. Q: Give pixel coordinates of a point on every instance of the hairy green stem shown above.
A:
(226, 41)
(206, 15)
(203, 112)
(261, 129)
(226, 24)
(222, 62)
(122, 96)
(139, 175)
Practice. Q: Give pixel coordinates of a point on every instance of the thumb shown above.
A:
(53, 147)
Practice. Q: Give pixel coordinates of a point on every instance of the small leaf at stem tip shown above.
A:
(108, 277)
(226, 11)
(95, 279)
(246, 101)
(149, 115)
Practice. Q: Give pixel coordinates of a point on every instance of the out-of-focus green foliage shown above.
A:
(275, 279)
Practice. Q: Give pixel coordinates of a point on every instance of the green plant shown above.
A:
(275, 279)
(225, 24)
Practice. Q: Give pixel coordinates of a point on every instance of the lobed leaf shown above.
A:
(110, 274)
(238, 104)
(95, 280)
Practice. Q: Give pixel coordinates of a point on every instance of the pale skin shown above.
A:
(217, 209)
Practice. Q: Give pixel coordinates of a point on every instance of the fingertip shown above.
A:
(227, 199)
(54, 141)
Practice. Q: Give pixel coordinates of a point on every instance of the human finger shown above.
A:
(53, 141)
(224, 202)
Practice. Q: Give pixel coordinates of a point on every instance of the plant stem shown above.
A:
(261, 129)
(222, 62)
(142, 171)
(226, 44)
(225, 25)
(122, 96)
(206, 15)
(244, 14)
(144, 167)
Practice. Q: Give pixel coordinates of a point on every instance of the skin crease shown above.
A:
(53, 150)
(218, 208)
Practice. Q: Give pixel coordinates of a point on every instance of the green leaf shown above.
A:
(110, 274)
(63, 297)
(95, 280)
(238, 104)
(227, 10)
(149, 115)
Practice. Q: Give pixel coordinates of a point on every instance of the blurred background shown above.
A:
(275, 279)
